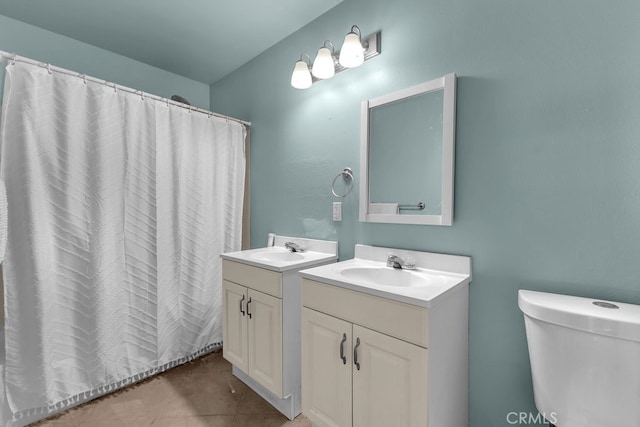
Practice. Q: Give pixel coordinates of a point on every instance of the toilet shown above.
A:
(585, 359)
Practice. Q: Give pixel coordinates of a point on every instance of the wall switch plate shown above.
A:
(337, 211)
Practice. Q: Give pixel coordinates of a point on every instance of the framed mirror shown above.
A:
(407, 155)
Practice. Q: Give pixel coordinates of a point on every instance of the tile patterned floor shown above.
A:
(202, 393)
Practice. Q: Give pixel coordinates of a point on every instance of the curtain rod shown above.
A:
(12, 58)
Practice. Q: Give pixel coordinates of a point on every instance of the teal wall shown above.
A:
(547, 154)
(41, 45)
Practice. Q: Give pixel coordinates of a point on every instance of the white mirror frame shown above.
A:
(448, 84)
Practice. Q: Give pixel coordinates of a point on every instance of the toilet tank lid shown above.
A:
(582, 314)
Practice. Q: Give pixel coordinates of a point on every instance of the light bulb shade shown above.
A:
(301, 77)
(323, 66)
(352, 52)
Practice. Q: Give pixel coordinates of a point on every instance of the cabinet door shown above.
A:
(326, 376)
(265, 340)
(390, 387)
(234, 327)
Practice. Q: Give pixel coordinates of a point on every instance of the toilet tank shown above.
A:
(585, 359)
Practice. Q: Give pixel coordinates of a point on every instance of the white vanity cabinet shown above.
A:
(261, 292)
(252, 328)
(379, 356)
(374, 380)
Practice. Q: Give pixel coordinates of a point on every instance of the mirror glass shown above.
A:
(407, 155)
(409, 170)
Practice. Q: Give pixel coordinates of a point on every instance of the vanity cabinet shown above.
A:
(252, 328)
(356, 376)
(252, 334)
(367, 360)
(262, 315)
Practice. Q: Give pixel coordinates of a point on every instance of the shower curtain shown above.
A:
(118, 209)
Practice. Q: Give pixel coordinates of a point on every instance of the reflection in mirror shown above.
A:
(405, 162)
(407, 155)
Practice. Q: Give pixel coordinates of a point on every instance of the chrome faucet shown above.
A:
(395, 261)
(294, 247)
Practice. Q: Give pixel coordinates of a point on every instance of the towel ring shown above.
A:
(347, 175)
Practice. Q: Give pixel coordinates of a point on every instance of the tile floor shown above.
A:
(199, 393)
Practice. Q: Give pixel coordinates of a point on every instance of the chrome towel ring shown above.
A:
(347, 175)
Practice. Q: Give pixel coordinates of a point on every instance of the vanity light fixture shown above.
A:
(352, 52)
(301, 77)
(327, 63)
(324, 66)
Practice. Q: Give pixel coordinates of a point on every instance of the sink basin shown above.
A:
(276, 256)
(435, 276)
(386, 276)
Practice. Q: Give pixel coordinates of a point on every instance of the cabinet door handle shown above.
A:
(342, 356)
(248, 312)
(241, 306)
(355, 354)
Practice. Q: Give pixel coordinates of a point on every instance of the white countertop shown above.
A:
(442, 274)
(278, 258)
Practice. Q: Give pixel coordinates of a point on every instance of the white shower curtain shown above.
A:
(118, 209)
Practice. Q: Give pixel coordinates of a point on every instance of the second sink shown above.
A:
(386, 276)
(431, 277)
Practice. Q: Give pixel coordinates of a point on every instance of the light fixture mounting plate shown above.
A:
(372, 45)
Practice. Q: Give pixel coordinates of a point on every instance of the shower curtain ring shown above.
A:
(13, 59)
(49, 69)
